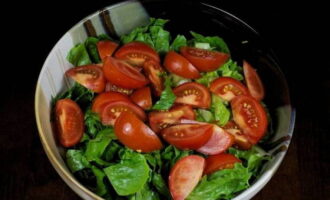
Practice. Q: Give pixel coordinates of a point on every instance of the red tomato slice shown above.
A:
(219, 142)
(106, 48)
(250, 116)
(220, 161)
(253, 81)
(112, 110)
(90, 76)
(134, 134)
(142, 98)
(136, 53)
(114, 88)
(69, 121)
(106, 97)
(204, 60)
(194, 94)
(153, 71)
(122, 74)
(188, 136)
(179, 65)
(185, 175)
(241, 140)
(228, 88)
(161, 119)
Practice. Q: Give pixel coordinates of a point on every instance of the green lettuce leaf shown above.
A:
(91, 46)
(178, 42)
(223, 184)
(129, 175)
(101, 188)
(217, 43)
(78, 55)
(167, 97)
(220, 111)
(231, 69)
(76, 160)
(93, 123)
(204, 115)
(177, 80)
(146, 193)
(207, 78)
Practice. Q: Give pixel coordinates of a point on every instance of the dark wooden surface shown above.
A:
(297, 34)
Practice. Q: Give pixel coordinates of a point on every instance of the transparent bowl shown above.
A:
(121, 18)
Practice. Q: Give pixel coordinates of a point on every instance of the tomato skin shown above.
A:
(179, 65)
(133, 133)
(194, 94)
(187, 136)
(106, 48)
(228, 88)
(112, 111)
(122, 74)
(162, 119)
(185, 175)
(220, 161)
(142, 98)
(69, 120)
(153, 70)
(136, 53)
(114, 88)
(250, 116)
(90, 76)
(104, 98)
(219, 142)
(240, 139)
(204, 60)
(253, 81)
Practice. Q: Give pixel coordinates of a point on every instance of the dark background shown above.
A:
(298, 34)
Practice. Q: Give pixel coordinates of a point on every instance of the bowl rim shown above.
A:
(83, 191)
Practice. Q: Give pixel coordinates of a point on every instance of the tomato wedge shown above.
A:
(106, 97)
(136, 53)
(253, 81)
(179, 65)
(204, 60)
(134, 134)
(194, 94)
(153, 71)
(250, 116)
(220, 161)
(228, 88)
(185, 175)
(240, 139)
(106, 48)
(122, 74)
(219, 142)
(69, 120)
(90, 76)
(161, 119)
(188, 136)
(142, 98)
(114, 88)
(112, 110)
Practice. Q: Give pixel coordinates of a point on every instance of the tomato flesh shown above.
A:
(250, 116)
(253, 82)
(142, 98)
(134, 134)
(194, 94)
(153, 71)
(69, 120)
(114, 88)
(104, 98)
(219, 142)
(106, 48)
(161, 119)
(185, 175)
(136, 53)
(240, 139)
(90, 76)
(112, 111)
(187, 136)
(204, 60)
(228, 88)
(220, 161)
(122, 74)
(179, 65)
